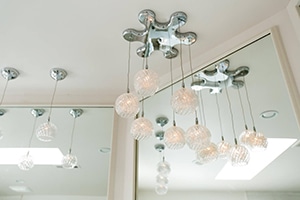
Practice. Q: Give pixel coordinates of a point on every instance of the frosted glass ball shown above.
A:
(127, 105)
(161, 189)
(46, 132)
(197, 137)
(246, 137)
(163, 168)
(184, 101)
(174, 138)
(146, 82)
(239, 155)
(259, 142)
(224, 148)
(69, 161)
(141, 128)
(26, 162)
(208, 154)
(161, 179)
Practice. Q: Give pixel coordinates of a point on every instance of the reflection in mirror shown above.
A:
(88, 135)
(226, 106)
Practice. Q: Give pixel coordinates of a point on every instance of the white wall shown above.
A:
(122, 183)
(38, 197)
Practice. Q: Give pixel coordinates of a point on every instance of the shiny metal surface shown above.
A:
(9, 73)
(76, 112)
(58, 74)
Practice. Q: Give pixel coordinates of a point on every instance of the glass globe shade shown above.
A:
(161, 189)
(224, 148)
(26, 162)
(208, 154)
(259, 142)
(246, 137)
(184, 101)
(197, 137)
(127, 105)
(161, 179)
(46, 132)
(163, 168)
(69, 161)
(141, 128)
(146, 82)
(239, 155)
(174, 138)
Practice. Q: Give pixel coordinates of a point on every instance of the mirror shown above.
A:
(91, 144)
(268, 91)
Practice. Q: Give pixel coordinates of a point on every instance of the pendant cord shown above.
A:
(146, 67)
(4, 91)
(128, 67)
(72, 134)
(172, 87)
(202, 107)
(219, 116)
(181, 65)
(52, 99)
(249, 104)
(32, 132)
(242, 108)
(191, 65)
(143, 108)
(199, 107)
(231, 114)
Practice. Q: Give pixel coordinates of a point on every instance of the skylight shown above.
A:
(258, 160)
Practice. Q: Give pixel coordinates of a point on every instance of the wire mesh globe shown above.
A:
(69, 161)
(161, 189)
(46, 132)
(184, 101)
(146, 82)
(127, 105)
(239, 155)
(141, 128)
(208, 154)
(26, 162)
(174, 138)
(162, 179)
(224, 148)
(197, 137)
(259, 142)
(246, 137)
(163, 168)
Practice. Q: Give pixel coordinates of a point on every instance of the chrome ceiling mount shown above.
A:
(159, 147)
(58, 74)
(162, 121)
(37, 112)
(9, 73)
(220, 77)
(160, 36)
(2, 112)
(76, 112)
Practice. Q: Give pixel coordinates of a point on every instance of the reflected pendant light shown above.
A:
(26, 161)
(69, 161)
(46, 132)
(127, 104)
(163, 169)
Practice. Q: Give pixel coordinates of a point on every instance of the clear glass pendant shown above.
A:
(141, 128)
(161, 189)
(26, 162)
(239, 155)
(184, 101)
(127, 105)
(224, 148)
(197, 137)
(46, 132)
(69, 161)
(161, 179)
(146, 82)
(174, 138)
(163, 168)
(259, 142)
(208, 154)
(246, 137)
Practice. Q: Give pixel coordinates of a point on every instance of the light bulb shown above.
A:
(161, 179)
(127, 105)
(69, 161)
(46, 132)
(197, 137)
(224, 148)
(259, 142)
(26, 162)
(163, 168)
(161, 189)
(246, 137)
(184, 101)
(208, 154)
(239, 155)
(141, 128)
(146, 82)
(174, 138)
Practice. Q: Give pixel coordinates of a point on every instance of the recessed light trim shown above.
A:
(269, 114)
(104, 150)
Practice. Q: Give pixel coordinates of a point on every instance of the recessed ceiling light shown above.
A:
(104, 150)
(268, 114)
(258, 161)
(41, 156)
(21, 181)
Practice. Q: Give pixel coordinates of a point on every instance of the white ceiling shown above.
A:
(85, 38)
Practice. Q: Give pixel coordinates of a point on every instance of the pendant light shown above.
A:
(69, 161)
(127, 104)
(46, 132)
(26, 161)
(163, 169)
